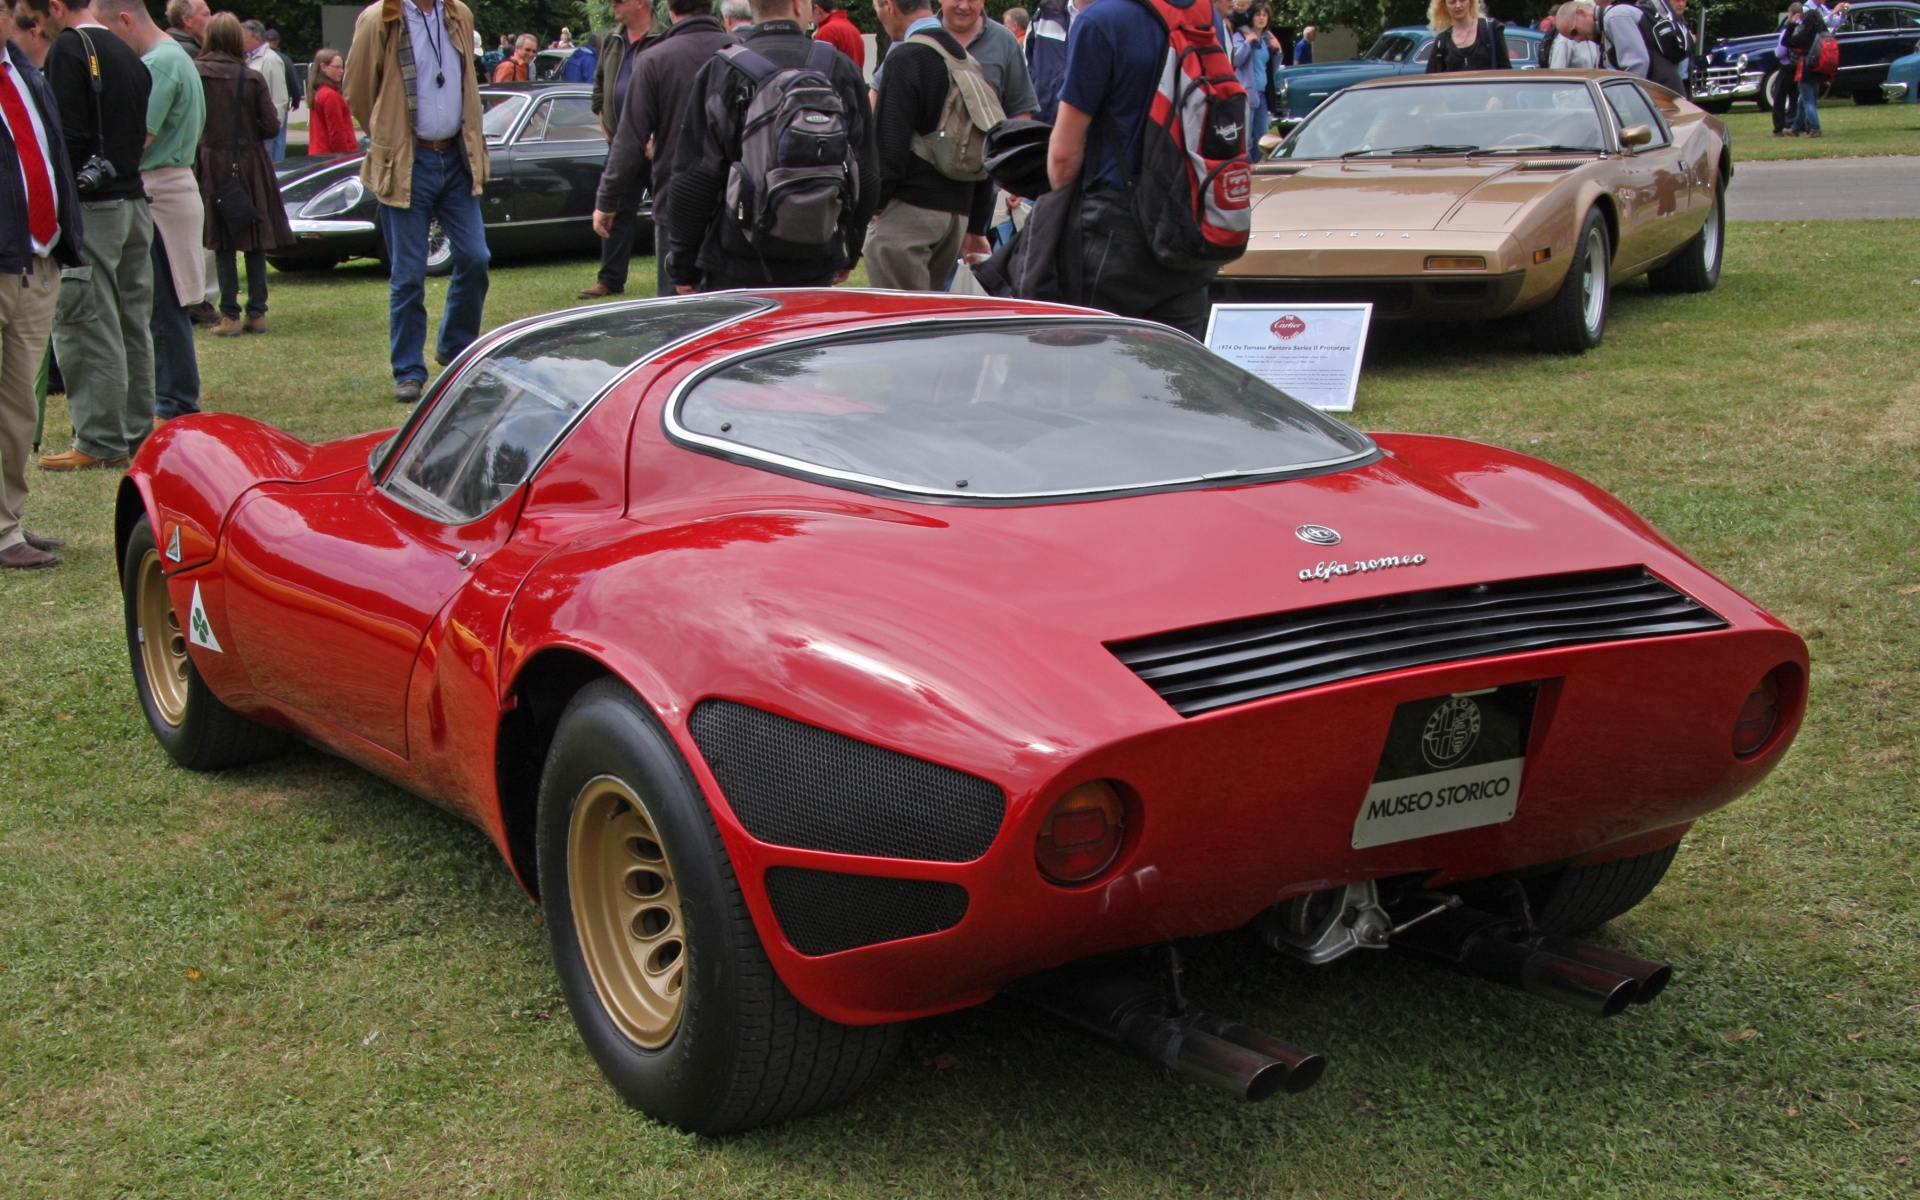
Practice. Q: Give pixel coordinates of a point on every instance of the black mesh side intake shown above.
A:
(792, 784)
(825, 912)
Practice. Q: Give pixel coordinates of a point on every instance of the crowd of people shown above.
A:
(137, 148)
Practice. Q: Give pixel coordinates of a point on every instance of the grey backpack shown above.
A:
(795, 175)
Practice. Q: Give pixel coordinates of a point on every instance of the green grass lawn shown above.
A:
(1851, 130)
(295, 980)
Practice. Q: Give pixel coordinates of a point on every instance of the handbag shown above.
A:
(232, 203)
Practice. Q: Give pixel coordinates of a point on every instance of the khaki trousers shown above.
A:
(26, 317)
(100, 330)
(912, 249)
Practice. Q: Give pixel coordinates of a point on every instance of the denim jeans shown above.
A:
(1258, 123)
(228, 271)
(277, 144)
(176, 372)
(443, 192)
(1806, 118)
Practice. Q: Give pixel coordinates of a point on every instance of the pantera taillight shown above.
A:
(1082, 833)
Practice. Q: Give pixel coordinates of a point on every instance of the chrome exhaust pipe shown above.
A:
(1591, 979)
(1653, 977)
(1209, 1049)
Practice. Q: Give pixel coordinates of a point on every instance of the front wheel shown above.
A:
(1575, 320)
(1697, 269)
(189, 721)
(656, 953)
(1716, 107)
(439, 251)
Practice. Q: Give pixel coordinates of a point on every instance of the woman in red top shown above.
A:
(330, 128)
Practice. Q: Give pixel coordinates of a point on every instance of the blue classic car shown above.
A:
(1872, 35)
(1903, 80)
(1403, 51)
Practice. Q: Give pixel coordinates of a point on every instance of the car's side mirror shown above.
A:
(1635, 136)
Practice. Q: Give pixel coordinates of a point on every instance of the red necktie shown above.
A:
(43, 220)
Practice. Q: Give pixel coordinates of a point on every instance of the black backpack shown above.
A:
(1667, 34)
(795, 173)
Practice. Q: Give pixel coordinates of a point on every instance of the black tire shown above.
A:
(741, 1052)
(1581, 899)
(189, 721)
(1716, 107)
(1697, 268)
(1573, 322)
(1764, 99)
(1868, 97)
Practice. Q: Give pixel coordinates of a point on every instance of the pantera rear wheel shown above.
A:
(656, 952)
(189, 721)
(1580, 899)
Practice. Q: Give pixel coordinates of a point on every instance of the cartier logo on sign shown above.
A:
(1288, 327)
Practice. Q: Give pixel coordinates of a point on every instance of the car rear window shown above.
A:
(1009, 410)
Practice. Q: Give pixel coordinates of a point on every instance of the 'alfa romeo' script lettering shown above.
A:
(1331, 570)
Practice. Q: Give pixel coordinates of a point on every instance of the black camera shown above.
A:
(93, 175)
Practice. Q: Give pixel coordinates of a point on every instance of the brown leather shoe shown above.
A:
(22, 557)
(256, 324)
(74, 460)
(203, 313)
(42, 543)
(229, 327)
(598, 291)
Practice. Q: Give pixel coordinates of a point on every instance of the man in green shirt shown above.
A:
(176, 113)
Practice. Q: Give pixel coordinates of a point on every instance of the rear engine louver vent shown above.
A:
(825, 912)
(792, 784)
(1212, 666)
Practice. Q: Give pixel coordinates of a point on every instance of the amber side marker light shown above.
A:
(1437, 263)
(1081, 834)
(1541, 256)
(1760, 715)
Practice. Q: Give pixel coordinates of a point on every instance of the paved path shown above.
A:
(1832, 189)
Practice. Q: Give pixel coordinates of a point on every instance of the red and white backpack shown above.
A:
(1192, 197)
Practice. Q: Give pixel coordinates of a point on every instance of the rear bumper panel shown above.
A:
(1241, 808)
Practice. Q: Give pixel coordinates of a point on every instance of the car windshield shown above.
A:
(501, 110)
(1392, 48)
(1010, 409)
(1491, 116)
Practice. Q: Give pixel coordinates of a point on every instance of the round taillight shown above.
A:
(1082, 833)
(1759, 716)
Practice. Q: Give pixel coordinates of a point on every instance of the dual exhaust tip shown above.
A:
(1200, 1045)
(1588, 978)
(1157, 1024)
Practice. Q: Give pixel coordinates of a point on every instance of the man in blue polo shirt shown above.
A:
(1114, 53)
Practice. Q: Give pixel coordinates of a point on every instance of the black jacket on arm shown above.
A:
(16, 244)
(704, 239)
(117, 117)
(656, 93)
(913, 91)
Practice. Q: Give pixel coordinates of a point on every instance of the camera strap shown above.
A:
(93, 79)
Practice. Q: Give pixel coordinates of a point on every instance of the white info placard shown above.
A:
(1311, 352)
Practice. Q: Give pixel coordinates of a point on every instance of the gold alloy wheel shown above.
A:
(163, 644)
(626, 911)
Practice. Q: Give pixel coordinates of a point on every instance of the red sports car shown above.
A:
(823, 660)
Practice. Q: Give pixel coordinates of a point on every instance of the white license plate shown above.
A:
(1451, 762)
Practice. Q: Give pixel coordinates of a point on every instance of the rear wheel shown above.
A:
(1575, 320)
(1697, 269)
(657, 955)
(189, 721)
(1580, 899)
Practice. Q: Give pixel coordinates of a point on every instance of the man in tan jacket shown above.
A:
(410, 83)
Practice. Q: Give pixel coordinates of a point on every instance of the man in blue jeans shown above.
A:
(410, 83)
